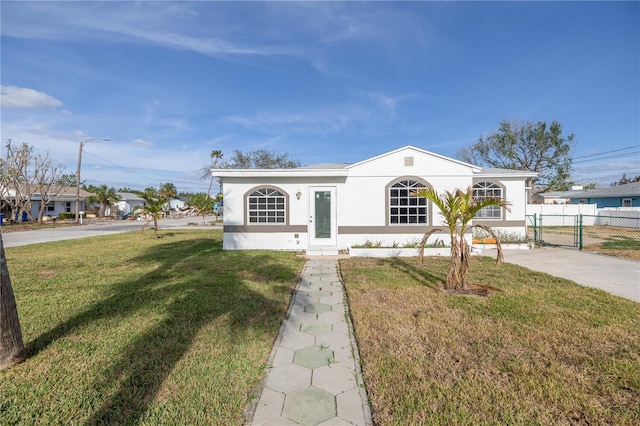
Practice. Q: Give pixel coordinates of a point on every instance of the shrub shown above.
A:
(505, 237)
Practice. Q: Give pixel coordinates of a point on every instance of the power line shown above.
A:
(626, 154)
(606, 152)
(119, 166)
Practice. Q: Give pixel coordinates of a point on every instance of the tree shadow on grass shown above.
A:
(193, 284)
(427, 278)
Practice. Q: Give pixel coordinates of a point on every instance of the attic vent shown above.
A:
(408, 161)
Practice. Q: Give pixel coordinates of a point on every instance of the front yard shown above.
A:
(130, 329)
(540, 350)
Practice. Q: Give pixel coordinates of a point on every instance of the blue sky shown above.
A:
(168, 82)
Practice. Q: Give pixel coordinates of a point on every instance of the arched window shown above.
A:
(266, 206)
(488, 190)
(404, 207)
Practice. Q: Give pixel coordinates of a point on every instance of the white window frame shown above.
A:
(627, 200)
(404, 208)
(488, 189)
(266, 206)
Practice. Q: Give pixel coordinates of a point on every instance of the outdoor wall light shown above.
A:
(299, 193)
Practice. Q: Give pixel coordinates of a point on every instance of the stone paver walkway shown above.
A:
(314, 377)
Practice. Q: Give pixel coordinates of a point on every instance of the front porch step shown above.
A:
(322, 251)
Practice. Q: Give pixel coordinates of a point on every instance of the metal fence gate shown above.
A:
(555, 230)
(602, 233)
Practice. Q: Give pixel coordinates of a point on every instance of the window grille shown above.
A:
(488, 190)
(266, 206)
(404, 207)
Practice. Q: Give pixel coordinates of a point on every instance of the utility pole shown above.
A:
(82, 144)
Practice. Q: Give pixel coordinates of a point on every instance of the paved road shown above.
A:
(22, 238)
(612, 274)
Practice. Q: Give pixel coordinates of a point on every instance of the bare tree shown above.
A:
(46, 178)
(15, 170)
(25, 174)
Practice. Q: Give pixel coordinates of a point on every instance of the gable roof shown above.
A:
(627, 190)
(419, 150)
(342, 169)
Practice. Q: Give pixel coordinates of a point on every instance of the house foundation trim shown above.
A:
(264, 228)
(500, 223)
(411, 229)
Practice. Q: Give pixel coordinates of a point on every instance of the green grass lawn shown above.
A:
(540, 350)
(136, 330)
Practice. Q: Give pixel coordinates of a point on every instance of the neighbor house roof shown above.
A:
(63, 192)
(129, 196)
(627, 190)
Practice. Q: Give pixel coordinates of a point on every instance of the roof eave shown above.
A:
(506, 175)
(299, 172)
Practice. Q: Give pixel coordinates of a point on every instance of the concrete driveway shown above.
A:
(614, 275)
(36, 236)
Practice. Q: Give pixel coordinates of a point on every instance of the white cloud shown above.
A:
(141, 143)
(321, 121)
(22, 97)
(387, 103)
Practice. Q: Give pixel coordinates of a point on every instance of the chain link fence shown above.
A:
(611, 232)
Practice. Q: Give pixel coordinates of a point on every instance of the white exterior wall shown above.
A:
(361, 200)
(124, 206)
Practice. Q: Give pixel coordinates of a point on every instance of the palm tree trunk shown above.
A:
(209, 189)
(465, 252)
(11, 343)
(453, 276)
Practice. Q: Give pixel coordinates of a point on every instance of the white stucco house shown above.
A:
(176, 204)
(326, 208)
(128, 203)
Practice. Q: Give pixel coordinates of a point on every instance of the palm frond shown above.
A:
(494, 235)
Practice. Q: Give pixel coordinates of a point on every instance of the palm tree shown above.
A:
(103, 195)
(203, 203)
(215, 156)
(458, 209)
(11, 344)
(168, 190)
(153, 207)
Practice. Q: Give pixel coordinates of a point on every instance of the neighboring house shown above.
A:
(326, 208)
(557, 197)
(627, 195)
(176, 204)
(63, 200)
(128, 203)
